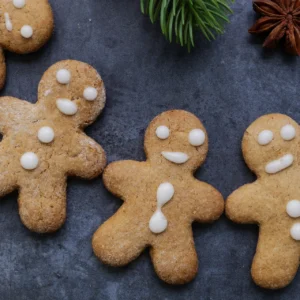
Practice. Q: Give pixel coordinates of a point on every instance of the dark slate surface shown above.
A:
(227, 84)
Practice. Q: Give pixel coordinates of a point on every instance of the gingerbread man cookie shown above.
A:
(162, 199)
(43, 143)
(271, 150)
(25, 26)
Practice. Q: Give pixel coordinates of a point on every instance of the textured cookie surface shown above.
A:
(161, 200)
(271, 150)
(43, 143)
(25, 26)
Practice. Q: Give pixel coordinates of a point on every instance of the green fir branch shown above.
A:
(181, 18)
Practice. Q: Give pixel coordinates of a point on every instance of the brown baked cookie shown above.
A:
(271, 150)
(162, 199)
(25, 26)
(43, 143)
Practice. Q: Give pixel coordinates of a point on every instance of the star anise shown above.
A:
(281, 19)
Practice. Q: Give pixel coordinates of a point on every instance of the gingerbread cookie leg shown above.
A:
(2, 68)
(114, 244)
(42, 202)
(174, 257)
(277, 257)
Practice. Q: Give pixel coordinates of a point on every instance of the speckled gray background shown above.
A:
(227, 84)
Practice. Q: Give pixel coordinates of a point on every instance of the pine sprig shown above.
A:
(181, 18)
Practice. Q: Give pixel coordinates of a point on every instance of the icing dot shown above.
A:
(196, 137)
(293, 208)
(63, 76)
(162, 132)
(26, 31)
(295, 231)
(288, 132)
(66, 106)
(19, 3)
(46, 134)
(29, 161)
(90, 93)
(265, 137)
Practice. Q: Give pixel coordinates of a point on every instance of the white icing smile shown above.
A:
(279, 164)
(8, 24)
(66, 106)
(175, 157)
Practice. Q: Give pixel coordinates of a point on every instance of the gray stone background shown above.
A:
(227, 84)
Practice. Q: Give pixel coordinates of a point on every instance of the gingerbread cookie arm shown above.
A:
(42, 202)
(116, 245)
(174, 256)
(87, 159)
(13, 112)
(277, 257)
(248, 204)
(119, 176)
(8, 179)
(2, 68)
(208, 203)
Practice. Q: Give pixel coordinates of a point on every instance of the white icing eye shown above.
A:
(29, 161)
(19, 3)
(26, 31)
(90, 93)
(293, 208)
(265, 137)
(46, 134)
(63, 76)
(162, 132)
(295, 231)
(66, 106)
(196, 137)
(288, 132)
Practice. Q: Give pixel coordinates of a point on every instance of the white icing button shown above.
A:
(158, 222)
(295, 231)
(288, 132)
(29, 161)
(26, 31)
(66, 106)
(19, 3)
(175, 157)
(90, 93)
(293, 208)
(265, 137)
(162, 132)
(46, 134)
(165, 192)
(279, 164)
(63, 76)
(8, 24)
(196, 137)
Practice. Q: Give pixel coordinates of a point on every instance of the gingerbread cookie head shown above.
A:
(178, 138)
(73, 91)
(25, 25)
(270, 144)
